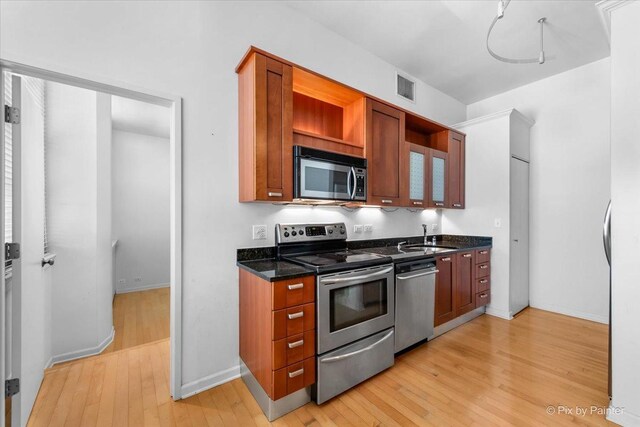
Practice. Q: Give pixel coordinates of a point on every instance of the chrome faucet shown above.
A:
(400, 245)
(424, 228)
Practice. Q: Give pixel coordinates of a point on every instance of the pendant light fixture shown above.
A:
(502, 6)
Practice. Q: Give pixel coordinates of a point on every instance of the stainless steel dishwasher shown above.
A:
(415, 301)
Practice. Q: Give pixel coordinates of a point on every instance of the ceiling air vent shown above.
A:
(405, 88)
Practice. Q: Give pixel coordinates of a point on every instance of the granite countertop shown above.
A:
(407, 254)
(273, 270)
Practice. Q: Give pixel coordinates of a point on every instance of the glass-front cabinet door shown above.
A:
(438, 190)
(418, 174)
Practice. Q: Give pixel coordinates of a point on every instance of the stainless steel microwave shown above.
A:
(322, 175)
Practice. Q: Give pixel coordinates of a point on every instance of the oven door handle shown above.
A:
(330, 280)
(355, 353)
(418, 275)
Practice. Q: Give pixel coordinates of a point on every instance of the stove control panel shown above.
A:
(298, 233)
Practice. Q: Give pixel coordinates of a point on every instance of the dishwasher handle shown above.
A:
(413, 276)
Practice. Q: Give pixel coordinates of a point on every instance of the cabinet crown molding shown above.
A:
(606, 7)
(504, 113)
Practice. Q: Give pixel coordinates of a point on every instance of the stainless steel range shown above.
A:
(355, 304)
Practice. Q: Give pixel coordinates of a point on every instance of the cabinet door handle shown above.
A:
(296, 373)
(386, 201)
(483, 295)
(417, 203)
(296, 344)
(445, 259)
(295, 315)
(439, 204)
(296, 286)
(484, 266)
(467, 255)
(484, 252)
(483, 281)
(274, 194)
(457, 205)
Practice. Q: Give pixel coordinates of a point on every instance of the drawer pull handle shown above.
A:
(467, 255)
(385, 201)
(417, 203)
(296, 373)
(483, 281)
(445, 259)
(483, 295)
(457, 205)
(295, 315)
(296, 344)
(484, 252)
(484, 267)
(296, 286)
(274, 194)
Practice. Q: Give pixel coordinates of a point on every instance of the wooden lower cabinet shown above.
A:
(277, 332)
(462, 284)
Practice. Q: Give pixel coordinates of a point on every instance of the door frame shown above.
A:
(174, 102)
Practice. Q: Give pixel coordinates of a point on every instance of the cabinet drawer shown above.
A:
(483, 255)
(289, 293)
(293, 321)
(293, 378)
(483, 270)
(483, 284)
(483, 298)
(293, 349)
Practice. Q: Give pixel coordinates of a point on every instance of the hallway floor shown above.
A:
(487, 372)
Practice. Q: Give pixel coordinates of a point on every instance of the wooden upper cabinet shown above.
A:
(385, 129)
(445, 306)
(456, 175)
(266, 132)
(415, 170)
(438, 182)
(465, 283)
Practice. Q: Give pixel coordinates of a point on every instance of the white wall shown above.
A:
(77, 187)
(141, 210)
(191, 49)
(625, 209)
(569, 186)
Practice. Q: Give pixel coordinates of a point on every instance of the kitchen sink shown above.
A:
(425, 247)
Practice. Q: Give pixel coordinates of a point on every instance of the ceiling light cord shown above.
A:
(502, 6)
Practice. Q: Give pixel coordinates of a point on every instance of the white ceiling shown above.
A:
(443, 43)
(140, 117)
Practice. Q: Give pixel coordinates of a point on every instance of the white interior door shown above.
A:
(31, 297)
(519, 223)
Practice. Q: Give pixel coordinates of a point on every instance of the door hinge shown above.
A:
(11, 115)
(11, 387)
(11, 251)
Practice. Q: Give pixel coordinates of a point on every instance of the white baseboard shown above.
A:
(496, 312)
(622, 417)
(143, 288)
(48, 364)
(91, 351)
(210, 381)
(573, 313)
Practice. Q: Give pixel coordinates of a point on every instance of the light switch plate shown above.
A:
(357, 228)
(497, 223)
(259, 232)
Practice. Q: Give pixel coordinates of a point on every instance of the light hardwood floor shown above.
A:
(140, 318)
(487, 372)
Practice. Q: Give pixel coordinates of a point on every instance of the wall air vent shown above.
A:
(405, 88)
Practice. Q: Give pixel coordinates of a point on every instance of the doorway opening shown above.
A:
(91, 193)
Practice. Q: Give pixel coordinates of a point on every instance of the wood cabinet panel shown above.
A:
(293, 321)
(483, 270)
(266, 131)
(293, 349)
(289, 293)
(445, 290)
(456, 172)
(465, 283)
(384, 143)
(293, 378)
(483, 284)
(483, 256)
(483, 298)
(438, 196)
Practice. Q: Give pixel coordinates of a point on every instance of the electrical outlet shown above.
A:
(122, 281)
(259, 232)
(357, 228)
(138, 279)
(497, 223)
(368, 228)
